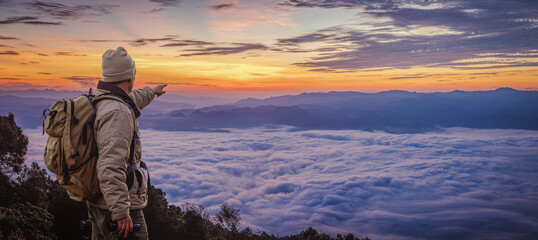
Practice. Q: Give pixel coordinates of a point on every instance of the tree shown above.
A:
(196, 222)
(31, 184)
(350, 236)
(13, 147)
(163, 220)
(13, 144)
(25, 221)
(22, 205)
(228, 217)
(30, 198)
(7, 188)
(69, 215)
(310, 233)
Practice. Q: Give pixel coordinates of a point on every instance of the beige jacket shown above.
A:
(114, 126)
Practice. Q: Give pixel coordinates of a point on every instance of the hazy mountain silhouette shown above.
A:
(392, 111)
(179, 100)
(29, 111)
(44, 93)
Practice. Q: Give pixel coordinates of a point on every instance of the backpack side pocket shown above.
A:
(53, 152)
(54, 122)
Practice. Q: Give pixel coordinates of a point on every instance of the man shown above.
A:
(116, 135)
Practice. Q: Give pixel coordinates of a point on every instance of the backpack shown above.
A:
(71, 152)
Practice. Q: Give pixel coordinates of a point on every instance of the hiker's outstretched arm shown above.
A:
(142, 97)
(114, 130)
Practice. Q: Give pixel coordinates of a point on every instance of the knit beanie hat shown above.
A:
(117, 65)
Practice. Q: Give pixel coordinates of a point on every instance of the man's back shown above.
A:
(115, 125)
(121, 180)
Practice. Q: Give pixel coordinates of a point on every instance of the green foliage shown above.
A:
(31, 184)
(163, 220)
(68, 214)
(196, 222)
(13, 145)
(29, 191)
(228, 217)
(7, 188)
(25, 221)
(312, 234)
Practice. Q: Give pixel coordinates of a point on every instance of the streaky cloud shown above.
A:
(9, 53)
(65, 53)
(167, 3)
(172, 41)
(321, 4)
(182, 43)
(63, 11)
(8, 38)
(236, 48)
(85, 81)
(27, 20)
(42, 23)
(220, 7)
(442, 32)
(20, 19)
(311, 37)
(144, 41)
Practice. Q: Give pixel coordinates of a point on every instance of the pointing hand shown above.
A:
(159, 89)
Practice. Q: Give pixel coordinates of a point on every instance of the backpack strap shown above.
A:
(45, 112)
(132, 172)
(133, 167)
(113, 96)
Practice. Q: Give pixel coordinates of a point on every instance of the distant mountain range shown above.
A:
(391, 111)
(179, 100)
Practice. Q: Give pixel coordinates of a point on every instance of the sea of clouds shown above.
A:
(458, 184)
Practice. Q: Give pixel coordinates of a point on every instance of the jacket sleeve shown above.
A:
(113, 137)
(142, 97)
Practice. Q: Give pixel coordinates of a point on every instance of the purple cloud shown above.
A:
(236, 48)
(167, 3)
(461, 183)
(222, 6)
(8, 38)
(27, 20)
(63, 11)
(84, 81)
(461, 30)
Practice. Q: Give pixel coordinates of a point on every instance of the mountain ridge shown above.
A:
(395, 111)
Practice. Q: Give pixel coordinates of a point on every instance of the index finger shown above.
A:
(120, 227)
(166, 84)
(131, 228)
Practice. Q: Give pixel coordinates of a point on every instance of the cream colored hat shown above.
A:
(117, 65)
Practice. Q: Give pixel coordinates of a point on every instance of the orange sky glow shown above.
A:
(253, 48)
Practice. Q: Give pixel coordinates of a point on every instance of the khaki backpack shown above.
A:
(71, 150)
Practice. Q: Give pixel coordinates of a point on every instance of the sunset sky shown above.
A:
(273, 47)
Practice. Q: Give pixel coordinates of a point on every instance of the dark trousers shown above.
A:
(100, 218)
